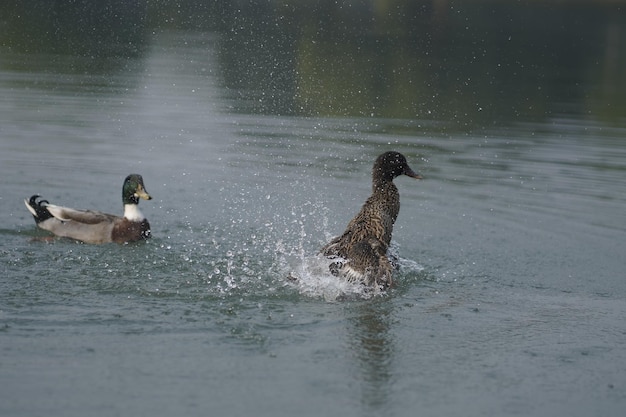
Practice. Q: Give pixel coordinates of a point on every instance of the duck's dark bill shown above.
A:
(409, 172)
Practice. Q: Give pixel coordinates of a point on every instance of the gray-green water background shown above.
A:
(255, 125)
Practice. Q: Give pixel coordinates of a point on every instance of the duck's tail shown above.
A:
(38, 208)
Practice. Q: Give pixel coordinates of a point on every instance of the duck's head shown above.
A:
(391, 165)
(134, 189)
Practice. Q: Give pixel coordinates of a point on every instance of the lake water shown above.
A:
(510, 297)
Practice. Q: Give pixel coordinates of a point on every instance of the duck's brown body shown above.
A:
(363, 245)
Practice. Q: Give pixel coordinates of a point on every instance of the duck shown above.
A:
(96, 227)
(360, 252)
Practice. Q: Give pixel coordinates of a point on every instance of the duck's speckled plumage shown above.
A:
(362, 248)
(94, 226)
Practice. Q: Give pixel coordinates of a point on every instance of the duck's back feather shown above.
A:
(80, 216)
(375, 221)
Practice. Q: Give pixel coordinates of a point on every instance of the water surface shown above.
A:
(510, 293)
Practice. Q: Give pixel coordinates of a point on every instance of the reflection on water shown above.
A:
(373, 347)
(92, 30)
(471, 64)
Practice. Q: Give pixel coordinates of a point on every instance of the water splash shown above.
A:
(307, 272)
(310, 276)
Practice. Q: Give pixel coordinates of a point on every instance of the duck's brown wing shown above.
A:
(332, 248)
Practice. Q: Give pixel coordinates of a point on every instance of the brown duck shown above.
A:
(94, 226)
(363, 245)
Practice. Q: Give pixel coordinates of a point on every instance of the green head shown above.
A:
(134, 189)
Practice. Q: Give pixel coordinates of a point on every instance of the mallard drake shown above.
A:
(93, 226)
(361, 251)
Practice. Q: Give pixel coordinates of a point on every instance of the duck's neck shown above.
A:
(132, 212)
(382, 186)
(386, 193)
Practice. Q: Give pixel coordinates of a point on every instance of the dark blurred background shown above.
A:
(467, 62)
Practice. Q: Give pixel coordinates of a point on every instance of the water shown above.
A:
(510, 293)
